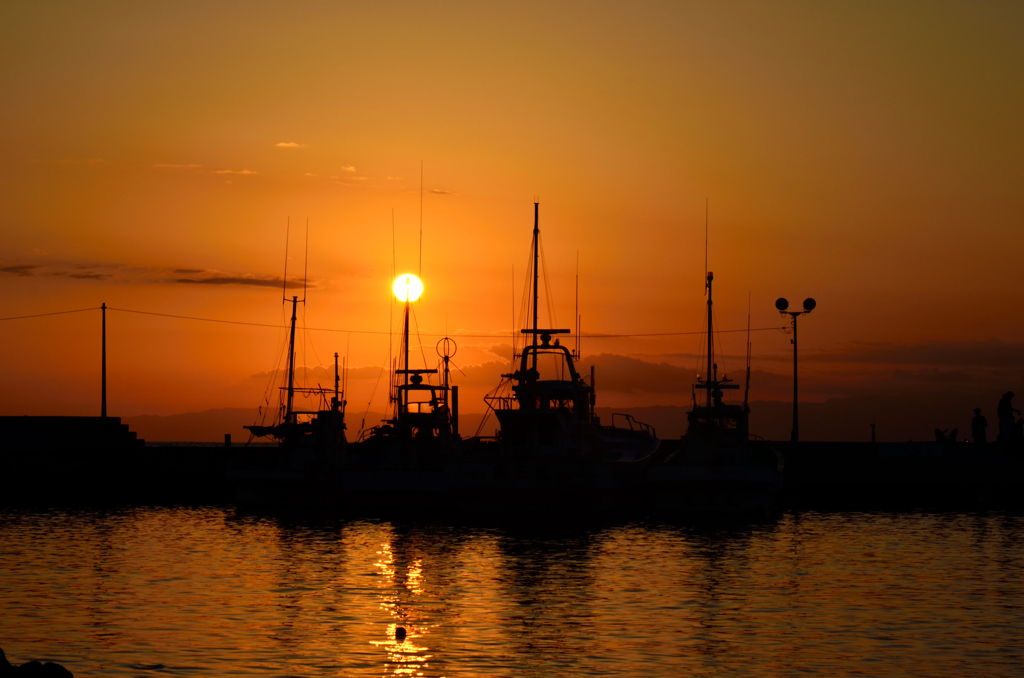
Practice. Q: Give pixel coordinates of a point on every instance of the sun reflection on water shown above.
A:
(204, 593)
(403, 656)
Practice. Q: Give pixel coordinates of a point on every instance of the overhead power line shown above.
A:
(496, 335)
(231, 322)
(40, 315)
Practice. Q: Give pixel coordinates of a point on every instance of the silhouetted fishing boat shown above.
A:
(713, 467)
(305, 467)
(551, 451)
(401, 462)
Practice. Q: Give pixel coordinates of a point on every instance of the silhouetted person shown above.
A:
(1018, 432)
(940, 436)
(978, 426)
(953, 434)
(1005, 412)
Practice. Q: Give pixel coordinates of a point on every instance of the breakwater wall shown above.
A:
(97, 461)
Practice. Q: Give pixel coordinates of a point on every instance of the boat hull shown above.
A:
(495, 481)
(709, 488)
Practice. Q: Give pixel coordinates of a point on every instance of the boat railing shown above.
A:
(502, 402)
(633, 424)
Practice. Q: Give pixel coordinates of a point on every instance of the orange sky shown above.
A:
(869, 155)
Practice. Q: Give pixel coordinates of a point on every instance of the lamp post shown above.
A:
(783, 305)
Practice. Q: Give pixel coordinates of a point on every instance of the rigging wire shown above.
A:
(261, 414)
(369, 402)
(714, 319)
(552, 316)
(419, 339)
(420, 272)
(702, 346)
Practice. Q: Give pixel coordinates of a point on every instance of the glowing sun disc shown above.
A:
(408, 286)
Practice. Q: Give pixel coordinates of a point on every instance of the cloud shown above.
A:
(214, 278)
(335, 177)
(348, 168)
(977, 352)
(623, 374)
(77, 271)
(309, 174)
(120, 273)
(394, 178)
(438, 191)
(289, 144)
(172, 166)
(233, 172)
(21, 271)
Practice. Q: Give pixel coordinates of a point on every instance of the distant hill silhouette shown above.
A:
(900, 417)
(896, 417)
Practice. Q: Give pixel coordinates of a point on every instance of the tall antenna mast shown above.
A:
(536, 255)
(284, 280)
(711, 341)
(421, 220)
(577, 304)
(337, 383)
(305, 266)
(706, 205)
(708, 277)
(391, 312)
(289, 417)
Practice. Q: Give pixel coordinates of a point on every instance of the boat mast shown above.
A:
(403, 395)
(536, 254)
(711, 343)
(291, 364)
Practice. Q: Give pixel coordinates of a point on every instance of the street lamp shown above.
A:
(782, 305)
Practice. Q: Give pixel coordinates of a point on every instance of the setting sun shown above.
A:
(408, 287)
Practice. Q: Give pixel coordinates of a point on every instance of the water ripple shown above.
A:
(205, 591)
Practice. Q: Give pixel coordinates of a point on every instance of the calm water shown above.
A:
(206, 592)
